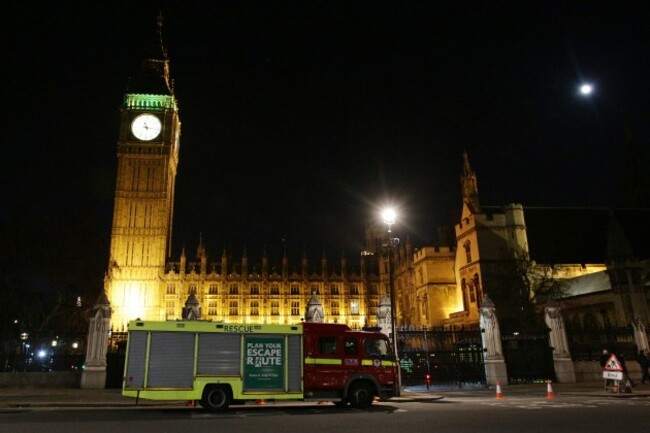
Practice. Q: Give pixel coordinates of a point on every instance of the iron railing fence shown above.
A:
(449, 356)
(528, 358)
(587, 344)
(43, 352)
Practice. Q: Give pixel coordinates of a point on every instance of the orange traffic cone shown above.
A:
(499, 393)
(549, 390)
(260, 402)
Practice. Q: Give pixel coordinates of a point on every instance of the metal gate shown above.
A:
(529, 358)
(450, 356)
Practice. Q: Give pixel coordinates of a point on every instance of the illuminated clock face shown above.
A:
(146, 127)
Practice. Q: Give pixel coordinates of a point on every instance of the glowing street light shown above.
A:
(586, 89)
(389, 215)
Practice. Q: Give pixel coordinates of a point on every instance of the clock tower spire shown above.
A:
(154, 77)
(147, 159)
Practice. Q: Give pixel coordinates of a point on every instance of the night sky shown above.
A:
(300, 119)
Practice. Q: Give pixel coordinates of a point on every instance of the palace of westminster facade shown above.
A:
(433, 285)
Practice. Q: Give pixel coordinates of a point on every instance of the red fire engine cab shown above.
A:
(346, 365)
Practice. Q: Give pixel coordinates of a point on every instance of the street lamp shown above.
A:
(389, 216)
(586, 89)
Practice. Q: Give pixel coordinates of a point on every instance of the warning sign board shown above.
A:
(613, 364)
(614, 375)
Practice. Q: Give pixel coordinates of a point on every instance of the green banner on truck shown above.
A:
(264, 365)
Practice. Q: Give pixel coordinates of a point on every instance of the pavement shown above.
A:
(32, 398)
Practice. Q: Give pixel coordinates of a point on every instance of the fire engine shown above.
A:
(219, 364)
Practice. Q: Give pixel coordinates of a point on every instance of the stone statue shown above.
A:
(490, 330)
(384, 316)
(564, 369)
(495, 366)
(557, 336)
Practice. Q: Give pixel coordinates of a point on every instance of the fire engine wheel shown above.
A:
(216, 398)
(361, 395)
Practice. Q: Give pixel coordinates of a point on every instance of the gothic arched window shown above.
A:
(468, 251)
(463, 289)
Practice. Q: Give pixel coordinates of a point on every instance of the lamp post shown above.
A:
(389, 219)
(424, 301)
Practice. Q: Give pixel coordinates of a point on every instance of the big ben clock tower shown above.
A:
(147, 155)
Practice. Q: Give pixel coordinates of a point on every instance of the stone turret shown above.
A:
(265, 265)
(469, 186)
(224, 264)
(244, 265)
(202, 256)
(192, 309)
(516, 225)
(183, 264)
(285, 264)
(305, 266)
(315, 312)
(323, 265)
